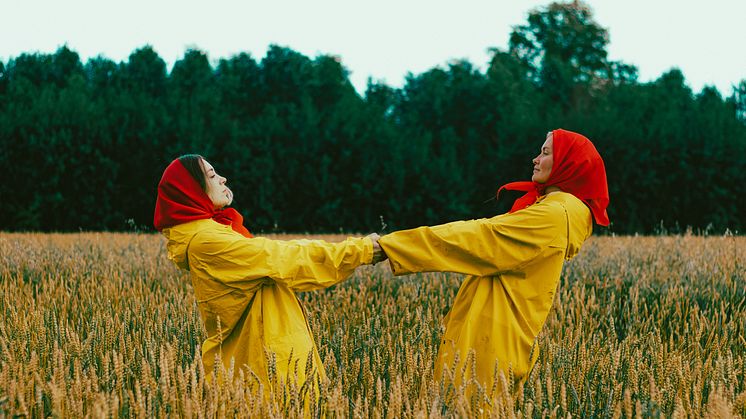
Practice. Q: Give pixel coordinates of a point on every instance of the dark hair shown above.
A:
(193, 164)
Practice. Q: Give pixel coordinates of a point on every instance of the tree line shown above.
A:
(83, 145)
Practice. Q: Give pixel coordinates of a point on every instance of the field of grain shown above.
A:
(102, 324)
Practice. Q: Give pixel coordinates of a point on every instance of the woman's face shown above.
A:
(543, 162)
(219, 194)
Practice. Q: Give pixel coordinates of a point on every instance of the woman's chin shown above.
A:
(222, 205)
(538, 179)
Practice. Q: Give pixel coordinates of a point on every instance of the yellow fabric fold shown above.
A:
(513, 264)
(245, 290)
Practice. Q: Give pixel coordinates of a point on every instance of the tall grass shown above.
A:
(102, 324)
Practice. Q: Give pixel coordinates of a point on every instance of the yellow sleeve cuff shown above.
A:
(367, 258)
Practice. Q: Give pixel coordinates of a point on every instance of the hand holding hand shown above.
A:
(378, 254)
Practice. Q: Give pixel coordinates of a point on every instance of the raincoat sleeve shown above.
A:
(483, 247)
(302, 265)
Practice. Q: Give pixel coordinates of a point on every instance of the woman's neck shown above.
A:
(552, 189)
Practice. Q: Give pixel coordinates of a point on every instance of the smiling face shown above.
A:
(215, 187)
(544, 161)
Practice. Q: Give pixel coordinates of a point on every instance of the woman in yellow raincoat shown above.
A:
(513, 261)
(245, 286)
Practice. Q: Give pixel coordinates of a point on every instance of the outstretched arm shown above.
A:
(302, 265)
(477, 247)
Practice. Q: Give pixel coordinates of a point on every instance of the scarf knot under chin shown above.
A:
(181, 199)
(577, 169)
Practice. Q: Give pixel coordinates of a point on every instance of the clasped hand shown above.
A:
(378, 254)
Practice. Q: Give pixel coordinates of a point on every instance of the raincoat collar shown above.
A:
(181, 235)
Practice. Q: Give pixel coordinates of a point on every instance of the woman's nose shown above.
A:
(223, 180)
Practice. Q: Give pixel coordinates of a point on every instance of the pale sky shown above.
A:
(383, 39)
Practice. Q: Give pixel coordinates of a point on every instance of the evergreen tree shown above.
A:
(86, 144)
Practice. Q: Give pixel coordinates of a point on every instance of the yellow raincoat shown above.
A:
(245, 290)
(513, 262)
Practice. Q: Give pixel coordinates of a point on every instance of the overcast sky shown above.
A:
(382, 39)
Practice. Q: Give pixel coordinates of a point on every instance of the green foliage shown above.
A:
(85, 144)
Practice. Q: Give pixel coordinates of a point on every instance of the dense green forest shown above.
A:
(83, 145)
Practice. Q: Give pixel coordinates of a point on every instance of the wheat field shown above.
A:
(103, 325)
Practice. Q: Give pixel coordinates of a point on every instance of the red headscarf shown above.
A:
(577, 169)
(181, 199)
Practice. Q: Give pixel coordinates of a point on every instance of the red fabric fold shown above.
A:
(578, 169)
(181, 199)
